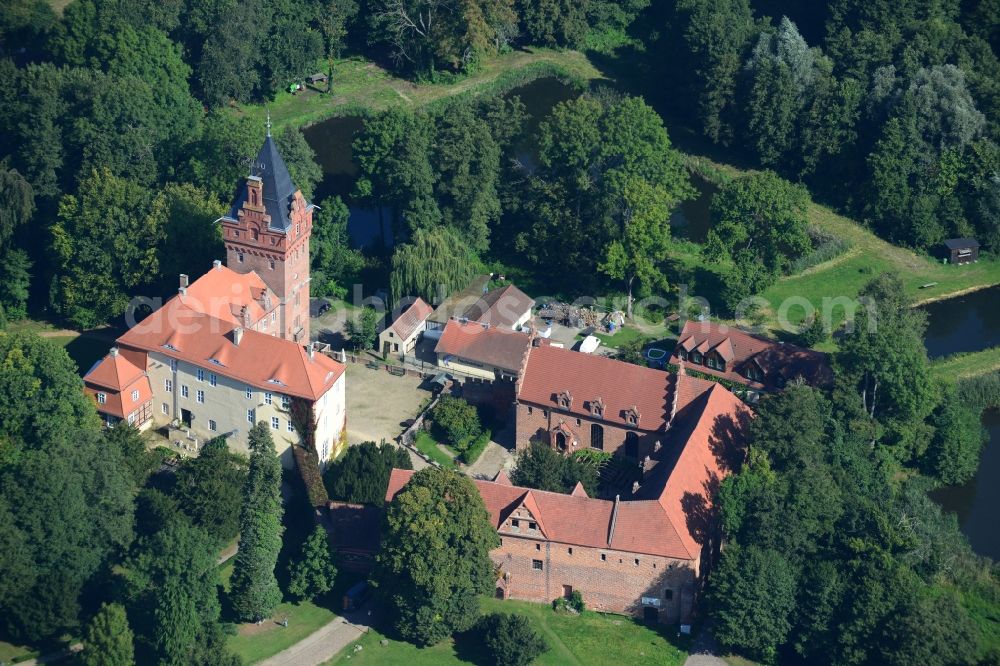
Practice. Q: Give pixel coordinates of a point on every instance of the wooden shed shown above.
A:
(962, 250)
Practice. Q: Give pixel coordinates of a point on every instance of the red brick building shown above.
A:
(760, 363)
(642, 556)
(574, 401)
(267, 232)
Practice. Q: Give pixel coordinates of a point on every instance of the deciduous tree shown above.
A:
(434, 561)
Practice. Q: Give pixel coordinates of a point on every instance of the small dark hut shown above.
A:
(961, 250)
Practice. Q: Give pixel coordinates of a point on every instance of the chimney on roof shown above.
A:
(311, 350)
(182, 291)
(216, 264)
(113, 352)
(184, 280)
(614, 519)
(237, 335)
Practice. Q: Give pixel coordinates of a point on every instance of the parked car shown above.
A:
(318, 307)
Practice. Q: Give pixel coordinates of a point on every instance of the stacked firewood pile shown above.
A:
(572, 315)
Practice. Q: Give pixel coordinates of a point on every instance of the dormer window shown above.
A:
(597, 408)
(682, 353)
(565, 400)
(696, 357)
(632, 416)
(102, 398)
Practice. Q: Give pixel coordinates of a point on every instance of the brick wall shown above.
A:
(534, 421)
(613, 583)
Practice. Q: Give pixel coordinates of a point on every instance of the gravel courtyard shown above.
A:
(378, 402)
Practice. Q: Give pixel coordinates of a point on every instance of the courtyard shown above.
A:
(378, 403)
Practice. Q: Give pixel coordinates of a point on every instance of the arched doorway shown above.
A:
(500, 593)
(597, 436)
(561, 441)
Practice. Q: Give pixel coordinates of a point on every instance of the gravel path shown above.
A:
(320, 646)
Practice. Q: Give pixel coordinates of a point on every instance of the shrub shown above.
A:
(456, 422)
(475, 449)
(510, 640)
(812, 333)
(573, 603)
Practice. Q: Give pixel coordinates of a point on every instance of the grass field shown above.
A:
(591, 638)
(869, 255)
(359, 84)
(963, 366)
(257, 642)
(426, 445)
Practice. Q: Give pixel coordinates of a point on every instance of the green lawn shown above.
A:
(271, 637)
(362, 85)
(11, 651)
(963, 366)
(591, 638)
(869, 255)
(426, 445)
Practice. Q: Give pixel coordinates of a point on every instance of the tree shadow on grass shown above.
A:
(470, 649)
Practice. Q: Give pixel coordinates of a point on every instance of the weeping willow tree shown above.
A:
(435, 262)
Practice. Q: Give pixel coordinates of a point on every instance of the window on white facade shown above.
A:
(201, 375)
(212, 379)
(135, 395)
(102, 398)
(165, 408)
(173, 364)
(249, 393)
(290, 427)
(212, 425)
(184, 390)
(268, 398)
(251, 416)
(200, 396)
(275, 423)
(286, 402)
(168, 385)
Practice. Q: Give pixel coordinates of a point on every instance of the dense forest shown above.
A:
(120, 145)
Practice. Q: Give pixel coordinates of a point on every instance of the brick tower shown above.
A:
(267, 230)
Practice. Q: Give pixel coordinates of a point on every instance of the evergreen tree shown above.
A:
(300, 159)
(363, 328)
(435, 561)
(209, 489)
(312, 575)
(953, 455)
(510, 639)
(334, 262)
(108, 639)
(254, 590)
(361, 475)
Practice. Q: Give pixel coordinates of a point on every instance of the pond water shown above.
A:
(963, 324)
(692, 220)
(331, 139)
(975, 503)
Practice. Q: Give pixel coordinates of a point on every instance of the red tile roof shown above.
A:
(620, 386)
(117, 375)
(488, 345)
(502, 306)
(640, 527)
(669, 518)
(738, 348)
(708, 440)
(267, 362)
(223, 293)
(409, 321)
